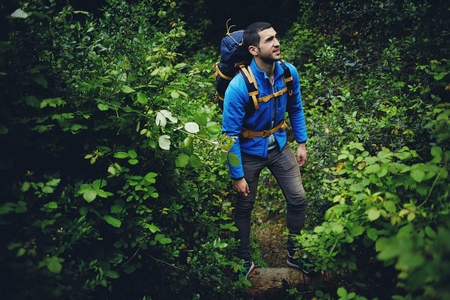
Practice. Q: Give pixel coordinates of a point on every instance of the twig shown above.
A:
(164, 262)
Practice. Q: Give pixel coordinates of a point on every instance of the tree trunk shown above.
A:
(271, 283)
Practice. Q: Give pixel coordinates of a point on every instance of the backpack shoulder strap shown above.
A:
(252, 88)
(287, 77)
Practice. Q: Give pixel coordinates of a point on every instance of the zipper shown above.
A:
(272, 124)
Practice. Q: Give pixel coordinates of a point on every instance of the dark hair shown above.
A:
(251, 33)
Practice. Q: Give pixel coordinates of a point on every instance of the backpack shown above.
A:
(234, 59)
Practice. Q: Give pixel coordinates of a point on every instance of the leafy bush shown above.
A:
(113, 180)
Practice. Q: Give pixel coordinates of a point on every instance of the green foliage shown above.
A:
(387, 204)
(113, 165)
(377, 173)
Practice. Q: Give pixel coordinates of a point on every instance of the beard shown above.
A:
(269, 59)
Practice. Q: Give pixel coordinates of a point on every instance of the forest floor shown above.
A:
(269, 233)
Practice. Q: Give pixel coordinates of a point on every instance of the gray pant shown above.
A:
(283, 165)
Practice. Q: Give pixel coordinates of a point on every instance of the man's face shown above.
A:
(269, 47)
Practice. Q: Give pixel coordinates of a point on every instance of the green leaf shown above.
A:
(337, 228)
(142, 98)
(90, 195)
(195, 161)
(372, 169)
(192, 127)
(21, 252)
(26, 186)
(342, 292)
(319, 229)
(201, 119)
(372, 234)
(357, 230)
(132, 153)
(417, 174)
(437, 153)
(20, 14)
(133, 161)
(153, 228)
(373, 214)
(430, 232)
(182, 160)
(356, 187)
(381, 244)
(112, 274)
(175, 95)
(389, 206)
(233, 159)
(164, 142)
(103, 107)
(165, 241)
(169, 116)
(188, 145)
(382, 171)
(52, 205)
(112, 221)
(440, 75)
(54, 182)
(121, 155)
(150, 177)
(99, 183)
(161, 119)
(126, 89)
(54, 264)
(371, 160)
(115, 209)
(214, 130)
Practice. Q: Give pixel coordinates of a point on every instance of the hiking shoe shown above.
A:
(249, 266)
(304, 264)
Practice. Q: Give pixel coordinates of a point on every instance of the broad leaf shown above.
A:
(373, 214)
(233, 159)
(417, 174)
(126, 89)
(214, 130)
(161, 119)
(192, 127)
(169, 116)
(20, 14)
(121, 155)
(90, 195)
(112, 221)
(195, 161)
(182, 161)
(201, 119)
(142, 98)
(164, 142)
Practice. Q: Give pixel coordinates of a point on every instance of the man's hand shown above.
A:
(301, 154)
(241, 186)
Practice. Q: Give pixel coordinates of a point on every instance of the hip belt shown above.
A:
(250, 134)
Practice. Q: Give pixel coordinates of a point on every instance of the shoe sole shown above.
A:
(250, 270)
(296, 266)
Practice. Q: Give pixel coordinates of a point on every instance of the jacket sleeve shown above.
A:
(295, 108)
(233, 118)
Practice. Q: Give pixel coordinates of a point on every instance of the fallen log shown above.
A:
(271, 283)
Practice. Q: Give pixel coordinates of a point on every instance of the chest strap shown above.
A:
(250, 134)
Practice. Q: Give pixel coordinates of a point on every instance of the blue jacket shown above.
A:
(237, 99)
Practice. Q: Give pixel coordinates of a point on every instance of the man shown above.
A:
(257, 148)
